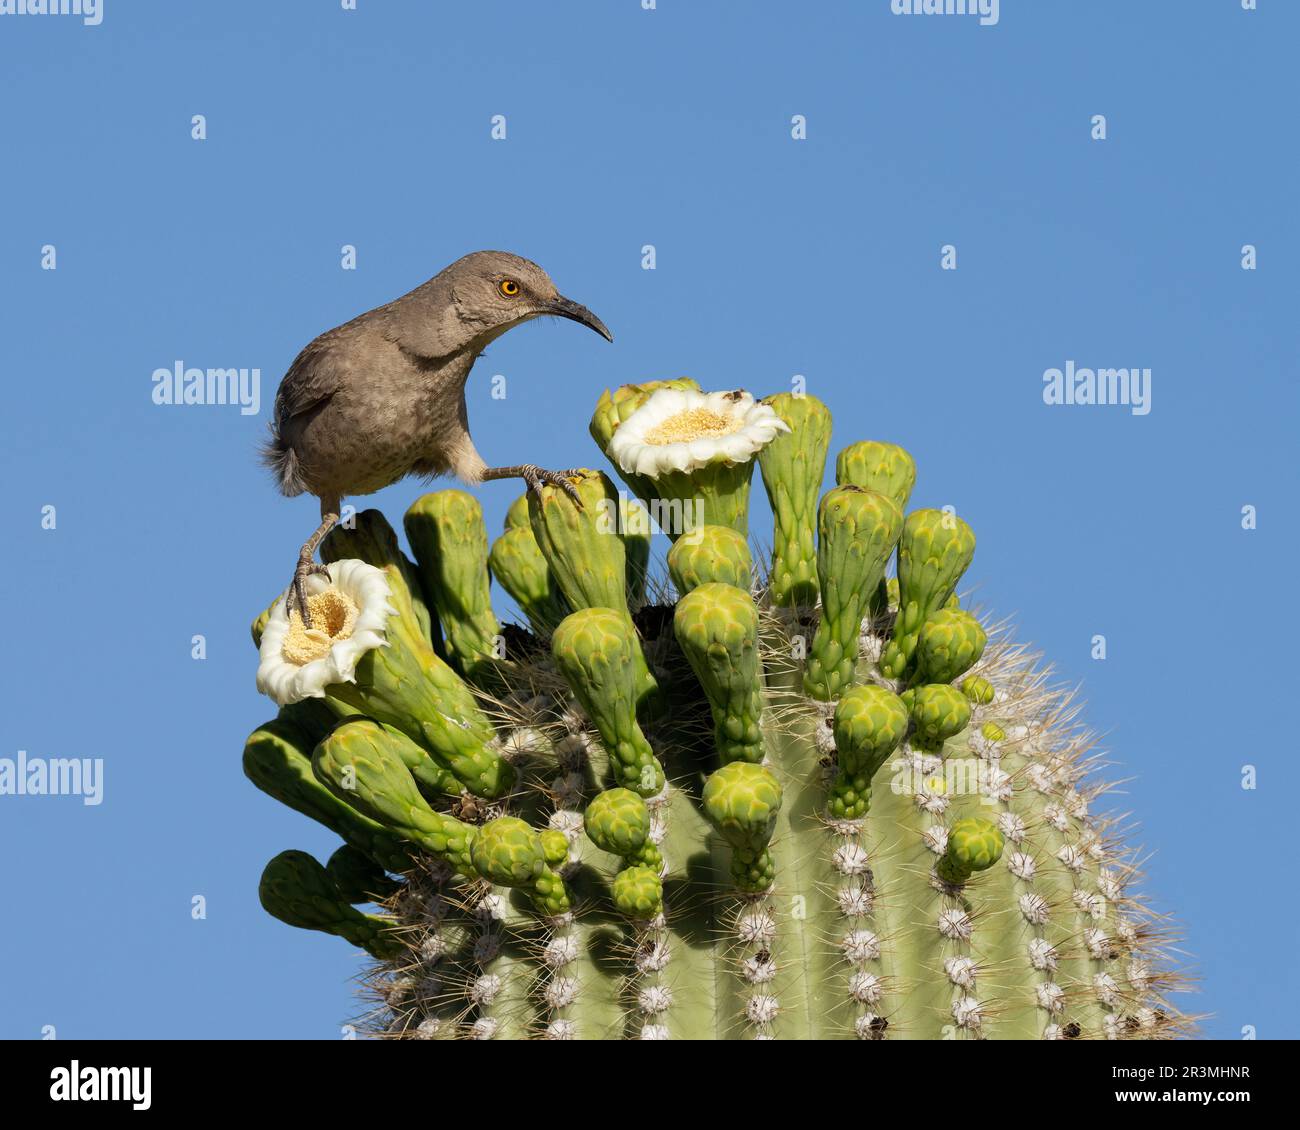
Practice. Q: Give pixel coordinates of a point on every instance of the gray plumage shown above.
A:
(383, 396)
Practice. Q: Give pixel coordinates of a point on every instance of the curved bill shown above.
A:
(576, 312)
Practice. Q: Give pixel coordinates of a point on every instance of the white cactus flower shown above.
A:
(349, 613)
(684, 430)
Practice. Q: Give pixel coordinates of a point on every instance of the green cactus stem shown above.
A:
(793, 465)
(449, 540)
(717, 628)
(595, 649)
(711, 553)
(935, 550)
(296, 889)
(857, 530)
(889, 842)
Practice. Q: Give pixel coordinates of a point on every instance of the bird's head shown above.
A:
(492, 291)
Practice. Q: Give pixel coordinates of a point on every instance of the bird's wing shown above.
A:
(310, 382)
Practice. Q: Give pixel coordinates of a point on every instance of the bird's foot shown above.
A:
(538, 477)
(297, 595)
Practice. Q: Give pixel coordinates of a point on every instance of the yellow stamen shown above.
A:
(694, 423)
(333, 618)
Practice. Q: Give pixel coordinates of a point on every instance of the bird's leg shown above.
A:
(297, 597)
(536, 477)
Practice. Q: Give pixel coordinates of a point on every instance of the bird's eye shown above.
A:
(508, 287)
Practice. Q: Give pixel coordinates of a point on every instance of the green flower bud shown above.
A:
(637, 530)
(638, 893)
(793, 465)
(882, 467)
(938, 713)
(588, 556)
(555, 847)
(277, 759)
(857, 531)
(449, 539)
(870, 723)
(517, 513)
(358, 765)
(297, 890)
(617, 821)
(935, 550)
(741, 800)
(711, 553)
(978, 689)
(595, 650)
(520, 569)
(717, 628)
(949, 644)
(974, 844)
(508, 852)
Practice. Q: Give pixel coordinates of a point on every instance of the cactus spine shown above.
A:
(678, 824)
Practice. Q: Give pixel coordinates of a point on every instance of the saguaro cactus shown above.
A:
(819, 803)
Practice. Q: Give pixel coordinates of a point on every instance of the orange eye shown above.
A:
(508, 287)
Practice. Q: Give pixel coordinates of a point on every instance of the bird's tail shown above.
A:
(283, 461)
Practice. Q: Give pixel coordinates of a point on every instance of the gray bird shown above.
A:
(383, 396)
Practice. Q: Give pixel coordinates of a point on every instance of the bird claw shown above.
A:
(537, 477)
(297, 595)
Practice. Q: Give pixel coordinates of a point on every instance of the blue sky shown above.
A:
(774, 257)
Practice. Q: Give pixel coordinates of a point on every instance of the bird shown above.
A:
(383, 396)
